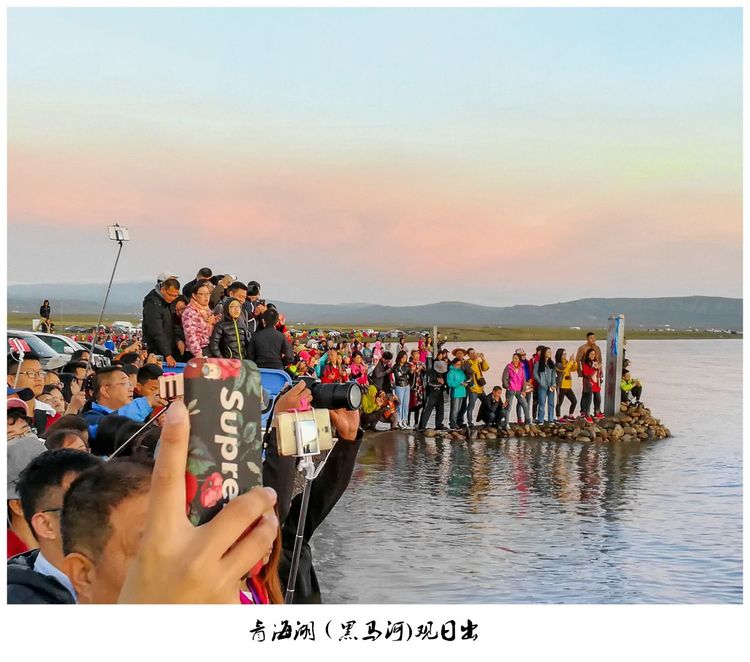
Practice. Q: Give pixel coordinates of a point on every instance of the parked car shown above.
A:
(48, 357)
(61, 344)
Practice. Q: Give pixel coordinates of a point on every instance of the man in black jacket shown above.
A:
(203, 274)
(325, 491)
(435, 395)
(158, 326)
(491, 409)
(36, 577)
(269, 348)
(381, 373)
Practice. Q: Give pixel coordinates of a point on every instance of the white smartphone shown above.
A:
(304, 433)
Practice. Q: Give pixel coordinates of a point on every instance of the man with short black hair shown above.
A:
(381, 373)
(269, 348)
(21, 451)
(148, 380)
(103, 519)
(492, 409)
(237, 291)
(65, 438)
(31, 376)
(203, 274)
(70, 423)
(113, 394)
(37, 577)
(158, 325)
(581, 353)
(128, 359)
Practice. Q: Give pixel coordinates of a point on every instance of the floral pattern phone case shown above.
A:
(223, 397)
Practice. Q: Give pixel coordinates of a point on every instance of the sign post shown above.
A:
(615, 346)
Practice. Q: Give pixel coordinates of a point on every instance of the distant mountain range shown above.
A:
(678, 312)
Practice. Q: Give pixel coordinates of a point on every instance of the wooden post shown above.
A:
(613, 375)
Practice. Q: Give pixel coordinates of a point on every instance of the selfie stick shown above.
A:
(135, 434)
(18, 370)
(311, 473)
(120, 238)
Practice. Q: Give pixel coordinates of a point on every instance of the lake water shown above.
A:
(432, 521)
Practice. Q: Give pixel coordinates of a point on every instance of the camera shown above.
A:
(333, 396)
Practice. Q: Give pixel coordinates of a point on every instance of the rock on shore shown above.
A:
(631, 424)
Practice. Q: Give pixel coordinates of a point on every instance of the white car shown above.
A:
(61, 344)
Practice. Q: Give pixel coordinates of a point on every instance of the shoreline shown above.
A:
(22, 321)
(629, 424)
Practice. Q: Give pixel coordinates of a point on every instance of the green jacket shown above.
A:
(456, 379)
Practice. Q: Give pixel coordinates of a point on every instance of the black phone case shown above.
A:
(223, 397)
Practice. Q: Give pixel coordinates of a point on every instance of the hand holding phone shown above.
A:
(225, 454)
(180, 563)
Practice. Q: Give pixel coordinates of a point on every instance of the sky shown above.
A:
(401, 156)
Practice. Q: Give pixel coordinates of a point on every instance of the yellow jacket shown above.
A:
(564, 380)
(477, 368)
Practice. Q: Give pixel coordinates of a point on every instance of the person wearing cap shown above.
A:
(254, 306)
(203, 274)
(20, 452)
(18, 417)
(158, 326)
(36, 576)
(435, 386)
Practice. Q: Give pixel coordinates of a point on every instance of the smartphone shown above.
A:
(223, 397)
(18, 345)
(117, 233)
(304, 433)
(171, 386)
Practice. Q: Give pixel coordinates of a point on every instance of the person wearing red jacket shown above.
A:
(592, 386)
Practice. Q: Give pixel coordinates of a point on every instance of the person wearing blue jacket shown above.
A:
(113, 394)
(545, 377)
(457, 382)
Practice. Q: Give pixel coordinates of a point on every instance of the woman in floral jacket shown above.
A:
(198, 321)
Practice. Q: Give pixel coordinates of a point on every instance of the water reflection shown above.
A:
(436, 520)
(597, 475)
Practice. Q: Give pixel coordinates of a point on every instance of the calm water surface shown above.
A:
(431, 521)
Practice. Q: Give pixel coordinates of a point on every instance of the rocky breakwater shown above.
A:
(631, 424)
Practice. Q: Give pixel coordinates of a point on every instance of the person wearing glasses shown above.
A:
(30, 375)
(36, 576)
(198, 321)
(113, 394)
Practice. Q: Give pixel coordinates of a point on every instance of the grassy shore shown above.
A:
(455, 334)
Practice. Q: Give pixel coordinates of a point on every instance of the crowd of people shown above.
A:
(93, 512)
(84, 499)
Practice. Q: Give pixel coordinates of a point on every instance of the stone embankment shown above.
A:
(635, 424)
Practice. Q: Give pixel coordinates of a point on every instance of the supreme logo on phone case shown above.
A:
(223, 397)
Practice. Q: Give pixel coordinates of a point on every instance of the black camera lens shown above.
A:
(334, 396)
